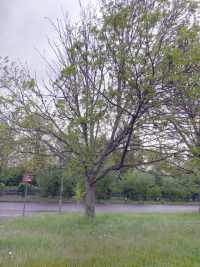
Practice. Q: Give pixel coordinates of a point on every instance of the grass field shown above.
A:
(145, 240)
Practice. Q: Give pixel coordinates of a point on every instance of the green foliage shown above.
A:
(2, 186)
(119, 19)
(22, 188)
(78, 196)
(30, 84)
(154, 192)
(105, 188)
(137, 185)
(12, 176)
(49, 181)
(68, 71)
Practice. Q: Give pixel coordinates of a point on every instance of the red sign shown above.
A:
(27, 178)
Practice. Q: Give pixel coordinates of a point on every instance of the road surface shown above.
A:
(9, 210)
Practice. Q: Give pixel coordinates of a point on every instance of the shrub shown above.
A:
(137, 185)
(22, 187)
(79, 193)
(49, 182)
(2, 187)
(12, 176)
(104, 188)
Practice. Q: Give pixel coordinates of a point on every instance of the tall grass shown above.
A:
(116, 240)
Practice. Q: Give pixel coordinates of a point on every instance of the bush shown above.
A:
(169, 188)
(104, 188)
(134, 185)
(49, 182)
(154, 193)
(22, 188)
(12, 176)
(79, 193)
(2, 187)
(138, 186)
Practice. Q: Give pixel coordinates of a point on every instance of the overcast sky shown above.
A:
(24, 29)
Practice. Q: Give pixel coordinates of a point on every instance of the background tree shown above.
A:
(182, 109)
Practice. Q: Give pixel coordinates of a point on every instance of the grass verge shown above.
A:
(117, 240)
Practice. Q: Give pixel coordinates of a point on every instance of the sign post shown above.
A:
(25, 199)
(61, 195)
(27, 179)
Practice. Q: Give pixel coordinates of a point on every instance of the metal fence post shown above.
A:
(25, 199)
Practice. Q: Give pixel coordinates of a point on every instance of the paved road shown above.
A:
(8, 210)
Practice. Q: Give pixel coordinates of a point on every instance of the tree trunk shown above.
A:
(90, 199)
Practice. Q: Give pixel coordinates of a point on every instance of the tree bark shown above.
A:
(90, 197)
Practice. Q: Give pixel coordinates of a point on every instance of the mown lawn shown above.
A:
(146, 240)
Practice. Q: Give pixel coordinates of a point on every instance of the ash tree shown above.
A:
(106, 86)
(182, 104)
(20, 143)
(8, 144)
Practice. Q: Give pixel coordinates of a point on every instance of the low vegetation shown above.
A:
(146, 240)
(131, 185)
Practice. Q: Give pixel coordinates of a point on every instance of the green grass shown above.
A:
(145, 240)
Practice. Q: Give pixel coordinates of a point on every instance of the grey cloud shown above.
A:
(24, 29)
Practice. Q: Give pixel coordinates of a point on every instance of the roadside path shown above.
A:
(8, 210)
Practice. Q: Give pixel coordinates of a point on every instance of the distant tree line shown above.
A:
(131, 185)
